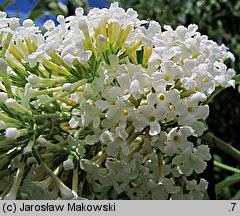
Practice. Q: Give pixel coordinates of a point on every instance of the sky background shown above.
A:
(24, 6)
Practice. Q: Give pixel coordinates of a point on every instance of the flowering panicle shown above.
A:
(115, 101)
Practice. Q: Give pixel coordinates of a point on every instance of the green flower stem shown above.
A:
(65, 191)
(49, 82)
(75, 181)
(57, 69)
(12, 63)
(130, 50)
(133, 137)
(8, 119)
(102, 158)
(58, 59)
(28, 148)
(31, 160)
(8, 125)
(6, 44)
(226, 167)
(23, 47)
(54, 147)
(30, 46)
(12, 194)
(5, 79)
(187, 93)
(4, 193)
(48, 91)
(15, 52)
(220, 144)
(98, 155)
(58, 97)
(3, 161)
(42, 117)
(227, 182)
(79, 83)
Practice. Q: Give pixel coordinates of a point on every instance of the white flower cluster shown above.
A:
(135, 92)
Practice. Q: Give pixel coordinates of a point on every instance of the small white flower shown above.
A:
(192, 159)
(149, 116)
(177, 140)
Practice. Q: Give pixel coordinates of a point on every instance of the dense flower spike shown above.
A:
(109, 101)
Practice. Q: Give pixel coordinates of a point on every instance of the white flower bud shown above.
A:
(27, 150)
(3, 97)
(106, 137)
(14, 23)
(60, 19)
(33, 79)
(68, 164)
(3, 14)
(49, 25)
(101, 38)
(66, 193)
(79, 12)
(74, 122)
(11, 133)
(67, 87)
(12, 103)
(41, 141)
(28, 23)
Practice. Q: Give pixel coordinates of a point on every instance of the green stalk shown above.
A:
(226, 167)
(12, 194)
(214, 94)
(65, 191)
(75, 181)
(6, 44)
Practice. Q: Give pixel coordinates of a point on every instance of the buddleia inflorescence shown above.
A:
(105, 103)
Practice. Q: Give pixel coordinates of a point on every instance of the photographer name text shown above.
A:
(47, 207)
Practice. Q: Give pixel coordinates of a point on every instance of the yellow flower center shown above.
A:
(152, 118)
(161, 97)
(124, 112)
(176, 138)
(189, 109)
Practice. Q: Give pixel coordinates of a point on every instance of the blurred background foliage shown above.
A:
(220, 20)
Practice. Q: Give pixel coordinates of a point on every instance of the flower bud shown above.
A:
(41, 141)
(33, 79)
(12, 103)
(67, 87)
(11, 133)
(68, 164)
(27, 150)
(3, 97)
(106, 137)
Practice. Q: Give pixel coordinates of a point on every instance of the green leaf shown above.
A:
(230, 180)
(35, 14)
(6, 3)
